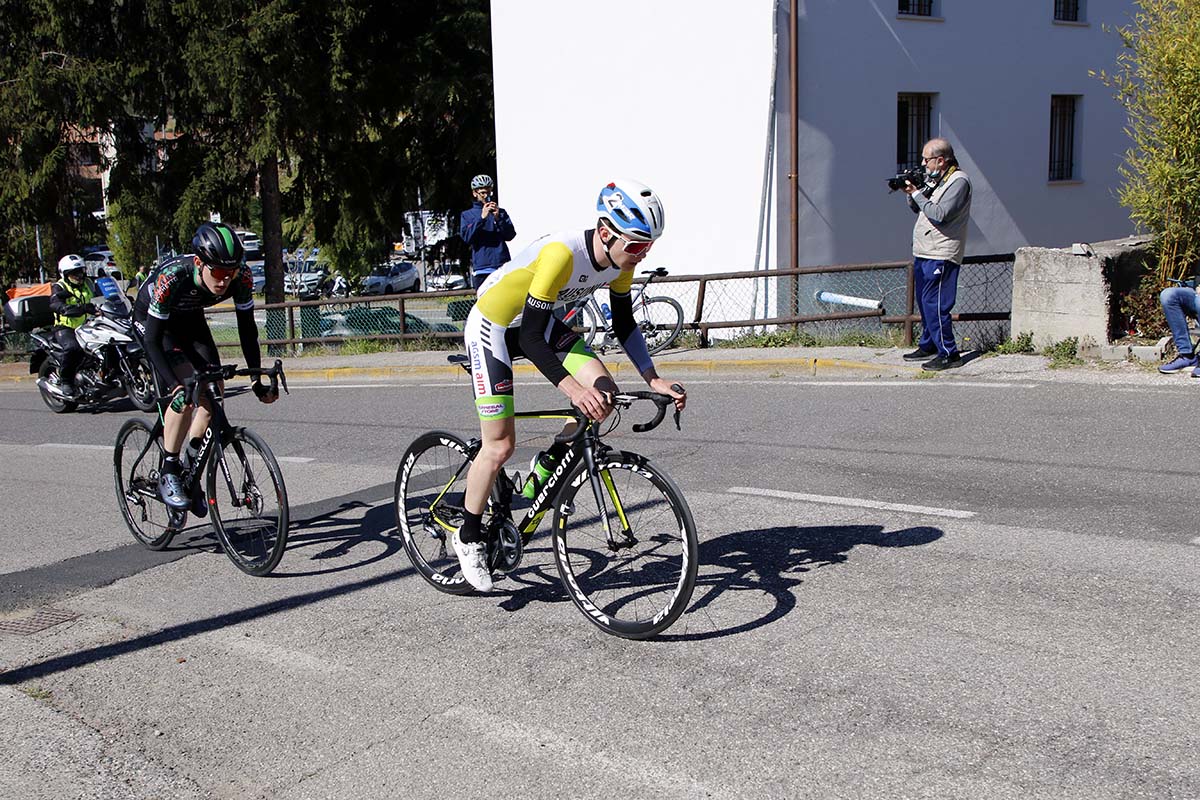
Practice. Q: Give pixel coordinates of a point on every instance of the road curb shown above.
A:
(811, 366)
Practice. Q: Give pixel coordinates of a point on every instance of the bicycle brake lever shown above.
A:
(281, 376)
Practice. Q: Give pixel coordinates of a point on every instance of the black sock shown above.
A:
(469, 532)
(171, 465)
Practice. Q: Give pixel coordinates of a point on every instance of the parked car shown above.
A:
(259, 273)
(445, 283)
(360, 321)
(305, 285)
(398, 276)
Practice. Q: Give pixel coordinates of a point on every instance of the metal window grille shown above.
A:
(1066, 10)
(914, 114)
(1062, 137)
(920, 8)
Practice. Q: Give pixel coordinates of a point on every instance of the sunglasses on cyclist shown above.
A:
(222, 273)
(632, 247)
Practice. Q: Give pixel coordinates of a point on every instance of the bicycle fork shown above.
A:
(625, 538)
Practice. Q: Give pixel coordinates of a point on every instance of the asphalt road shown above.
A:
(947, 588)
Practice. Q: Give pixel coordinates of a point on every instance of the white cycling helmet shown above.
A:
(70, 263)
(633, 209)
(481, 182)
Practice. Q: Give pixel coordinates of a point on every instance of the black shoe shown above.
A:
(943, 362)
(199, 503)
(919, 355)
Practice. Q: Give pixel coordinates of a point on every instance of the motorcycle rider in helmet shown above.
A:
(169, 312)
(71, 301)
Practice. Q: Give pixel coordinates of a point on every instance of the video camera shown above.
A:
(915, 176)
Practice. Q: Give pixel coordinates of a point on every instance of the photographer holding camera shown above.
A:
(943, 206)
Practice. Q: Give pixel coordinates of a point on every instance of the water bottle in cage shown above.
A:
(607, 311)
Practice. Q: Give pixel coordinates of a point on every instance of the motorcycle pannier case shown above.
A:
(24, 314)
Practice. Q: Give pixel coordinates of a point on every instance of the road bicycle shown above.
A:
(624, 540)
(660, 318)
(238, 466)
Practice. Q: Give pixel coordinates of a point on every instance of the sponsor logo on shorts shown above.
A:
(491, 409)
(503, 386)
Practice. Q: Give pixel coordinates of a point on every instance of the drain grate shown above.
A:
(37, 621)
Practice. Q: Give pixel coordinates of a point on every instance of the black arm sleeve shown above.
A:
(534, 321)
(152, 341)
(248, 336)
(58, 303)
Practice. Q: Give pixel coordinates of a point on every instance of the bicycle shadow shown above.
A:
(766, 564)
(338, 533)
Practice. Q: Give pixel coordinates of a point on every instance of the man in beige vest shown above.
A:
(943, 208)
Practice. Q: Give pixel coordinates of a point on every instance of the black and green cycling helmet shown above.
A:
(217, 245)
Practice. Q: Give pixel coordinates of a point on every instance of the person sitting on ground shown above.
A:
(1179, 303)
(71, 301)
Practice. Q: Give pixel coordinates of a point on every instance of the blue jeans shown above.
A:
(935, 285)
(1179, 303)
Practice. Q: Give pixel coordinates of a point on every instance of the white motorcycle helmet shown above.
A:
(68, 264)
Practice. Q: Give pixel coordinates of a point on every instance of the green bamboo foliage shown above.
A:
(1157, 80)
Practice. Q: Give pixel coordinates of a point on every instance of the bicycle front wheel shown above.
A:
(248, 502)
(136, 458)
(431, 485)
(661, 320)
(637, 580)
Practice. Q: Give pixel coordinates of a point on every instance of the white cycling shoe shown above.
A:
(472, 557)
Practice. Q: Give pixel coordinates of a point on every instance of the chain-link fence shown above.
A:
(830, 304)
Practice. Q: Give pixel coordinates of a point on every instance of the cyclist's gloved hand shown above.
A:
(264, 393)
(178, 398)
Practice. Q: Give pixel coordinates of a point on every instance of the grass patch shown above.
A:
(38, 693)
(1022, 344)
(1064, 353)
(785, 337)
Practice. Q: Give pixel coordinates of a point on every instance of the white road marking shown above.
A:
(73, 446)
(853, 502)
(294, 459)
(1195, 541)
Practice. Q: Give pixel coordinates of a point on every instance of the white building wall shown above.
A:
(673, 93)
(677, 93)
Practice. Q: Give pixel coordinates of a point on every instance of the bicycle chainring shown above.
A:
(504, 545)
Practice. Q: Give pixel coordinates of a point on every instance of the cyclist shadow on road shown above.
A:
(747, 579)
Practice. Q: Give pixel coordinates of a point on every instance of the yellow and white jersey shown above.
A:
(557, 269)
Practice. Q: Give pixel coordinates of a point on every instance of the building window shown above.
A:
(1063, 137)
(1068, 10)
(917, 8)
(914, 121)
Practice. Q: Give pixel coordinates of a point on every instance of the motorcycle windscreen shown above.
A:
(108, 287)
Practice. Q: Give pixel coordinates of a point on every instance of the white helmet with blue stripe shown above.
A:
(632, 209)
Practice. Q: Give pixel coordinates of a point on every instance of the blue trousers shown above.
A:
(1179, 303)
(935, 284)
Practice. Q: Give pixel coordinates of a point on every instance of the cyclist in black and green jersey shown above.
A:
(169, 313)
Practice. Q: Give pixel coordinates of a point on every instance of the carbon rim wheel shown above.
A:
(661, 320)
(642, 586)
(431, 483)
(136, 458)
(250, 509)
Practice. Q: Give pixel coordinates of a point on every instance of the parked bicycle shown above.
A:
(245, 491)
(660, 318)
(623, 536)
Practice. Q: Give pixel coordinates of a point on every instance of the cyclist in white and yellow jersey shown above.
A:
(514, 316)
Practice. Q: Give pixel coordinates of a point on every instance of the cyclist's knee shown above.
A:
(496, 451)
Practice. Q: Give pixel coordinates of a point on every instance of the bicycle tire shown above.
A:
(661, 320)
(252, 536)
(590, 327)
(136, 458)
(432, 471)
(639, 590)
(140, 386)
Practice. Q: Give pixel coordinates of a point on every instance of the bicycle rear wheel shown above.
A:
(249, 506)
(641, 584)
(431, 483)
(136, 458)
(661, 320)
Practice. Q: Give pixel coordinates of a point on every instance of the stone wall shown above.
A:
(1074, 291)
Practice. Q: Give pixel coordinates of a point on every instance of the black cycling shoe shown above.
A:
(199, 503)
(170, 489)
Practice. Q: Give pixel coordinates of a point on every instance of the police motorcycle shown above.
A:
(115, 364)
